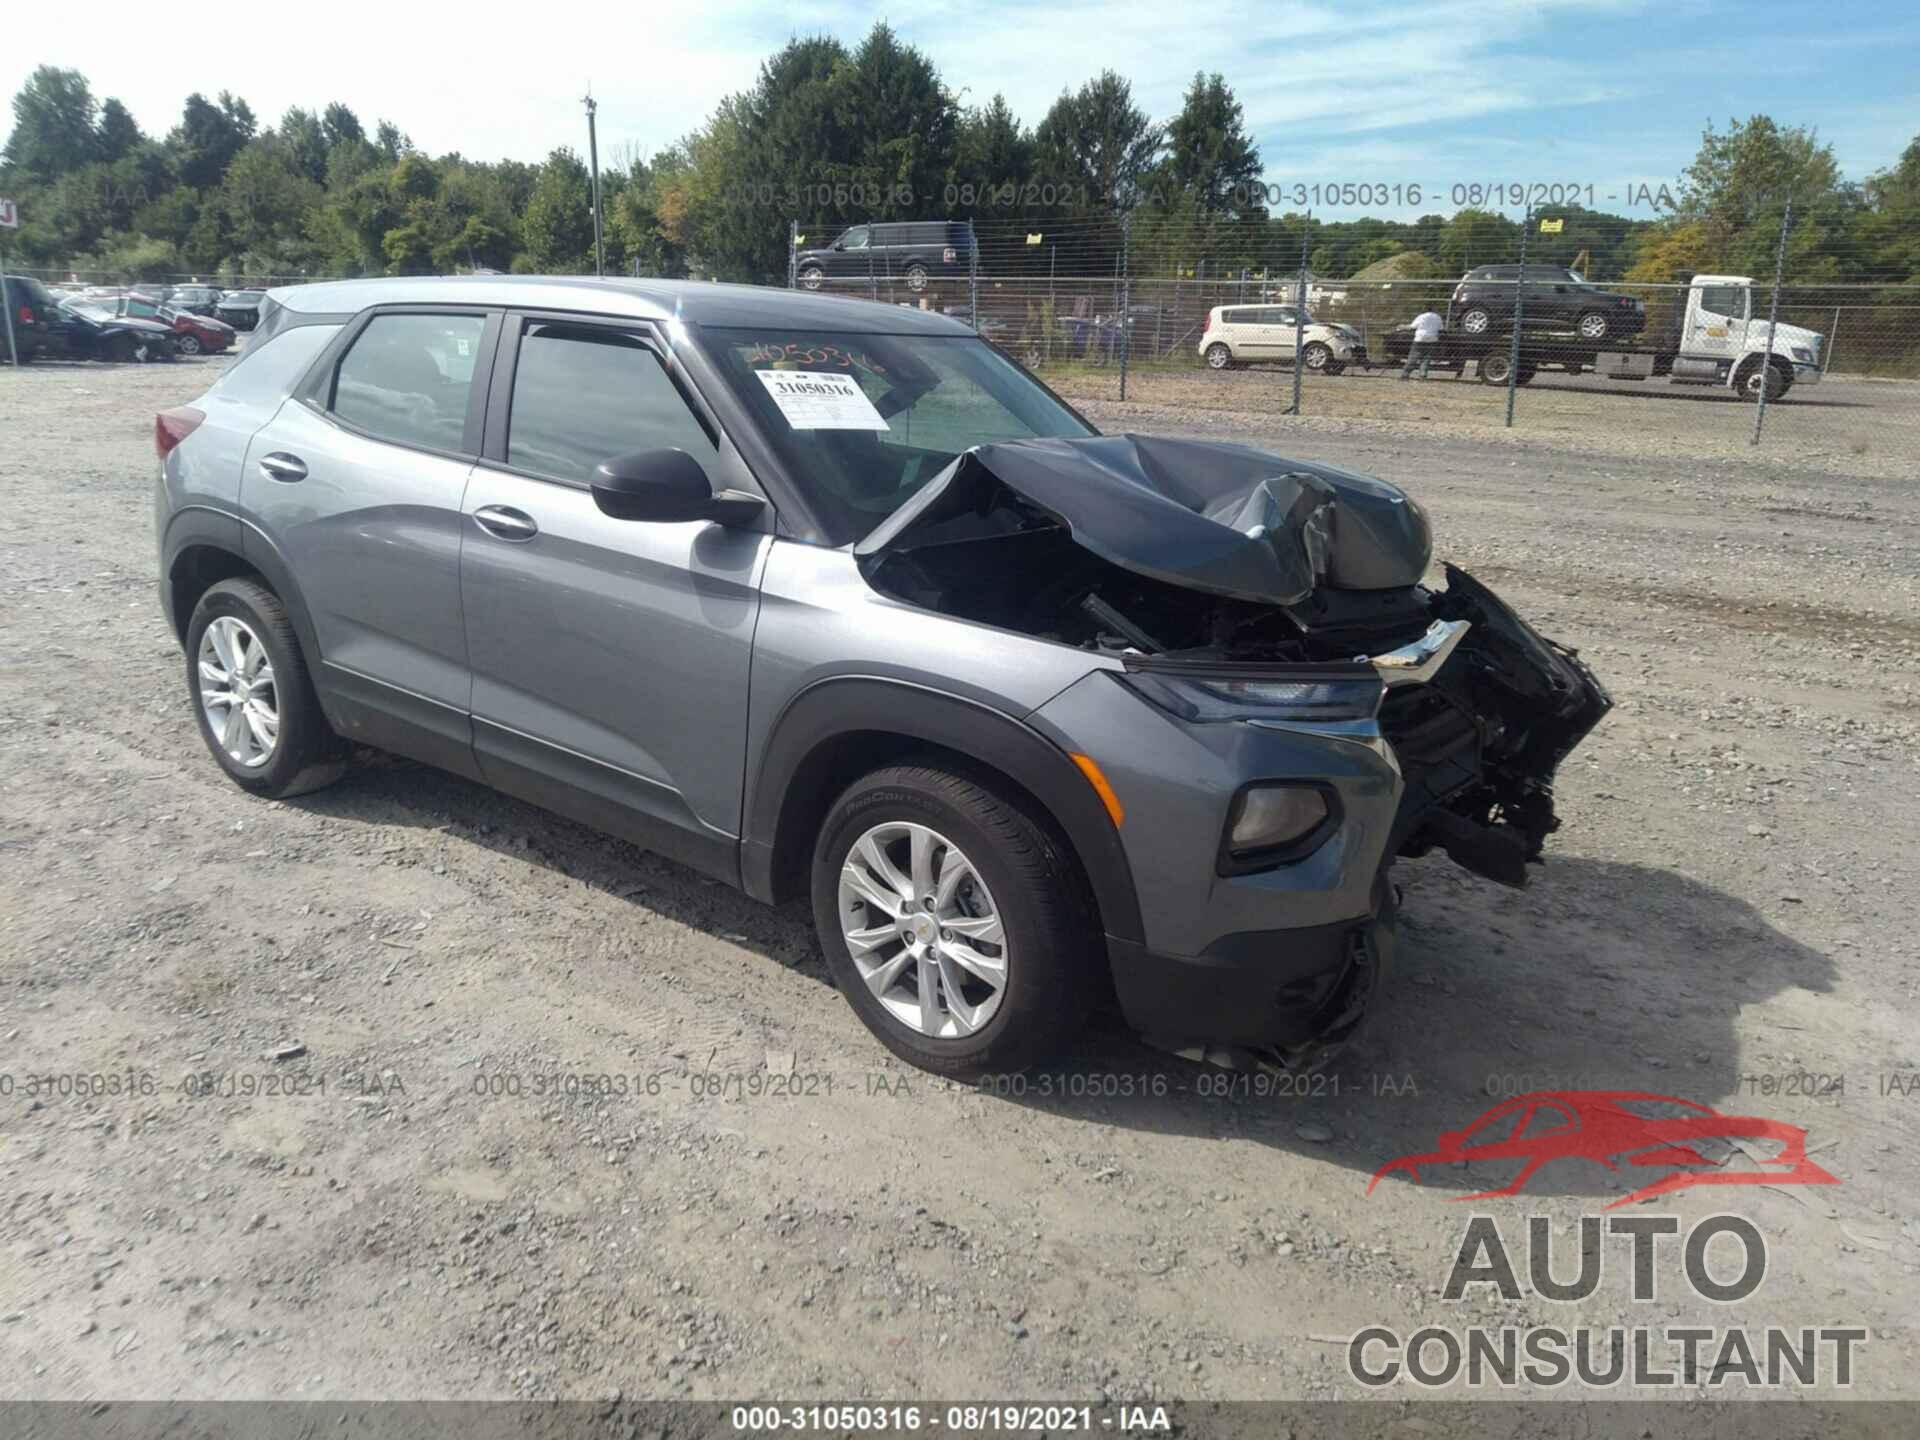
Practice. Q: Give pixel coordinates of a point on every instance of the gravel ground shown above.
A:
(1731, 900)
(1845, 425)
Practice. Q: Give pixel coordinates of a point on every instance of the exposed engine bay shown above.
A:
(1183, 556)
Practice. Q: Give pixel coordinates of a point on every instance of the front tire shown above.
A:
(188, 344)
(1592, 326)
(1317, 355)
(1758, 372)
(812, 277)
(1494, 369)
(253, 697)
(953, 920)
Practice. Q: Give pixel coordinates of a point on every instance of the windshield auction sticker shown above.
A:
(821, 400)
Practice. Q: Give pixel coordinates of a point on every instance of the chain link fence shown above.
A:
(1696, 364)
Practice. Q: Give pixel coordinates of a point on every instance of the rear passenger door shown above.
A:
(356, 482)
(610, 657)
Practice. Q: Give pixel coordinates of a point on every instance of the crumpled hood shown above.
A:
(1226, 519)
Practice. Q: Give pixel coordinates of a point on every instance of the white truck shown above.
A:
(1714, 337)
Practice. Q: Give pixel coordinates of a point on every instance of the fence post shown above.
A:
(793, 252)
(1826, 355)
(973, 278)
(1300, 316)
(1126, 297)
(1519, 306)
(1773, 320)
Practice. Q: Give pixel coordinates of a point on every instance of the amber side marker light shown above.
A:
(1100, 787)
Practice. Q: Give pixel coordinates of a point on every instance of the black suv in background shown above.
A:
(240, 308)
(1550, 296)
(915, 251)
(195, 299)
(33, 307)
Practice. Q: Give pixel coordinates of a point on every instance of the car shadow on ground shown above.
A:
(1602, 975)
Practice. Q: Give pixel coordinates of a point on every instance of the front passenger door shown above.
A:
(610, 657)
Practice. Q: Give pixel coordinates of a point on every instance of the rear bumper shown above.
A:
(1257, 987)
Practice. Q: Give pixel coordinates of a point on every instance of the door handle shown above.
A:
(283, 467)
(503, 522)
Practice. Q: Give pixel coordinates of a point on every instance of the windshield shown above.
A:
(863, 421)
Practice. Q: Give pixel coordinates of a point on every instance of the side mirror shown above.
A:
(667, 486)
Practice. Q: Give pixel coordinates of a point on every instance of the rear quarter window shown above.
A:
(270, 368)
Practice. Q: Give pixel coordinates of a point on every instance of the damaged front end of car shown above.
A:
(1185, 559)
(1236, 591)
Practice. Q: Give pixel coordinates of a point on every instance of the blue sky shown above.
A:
(1607, 93)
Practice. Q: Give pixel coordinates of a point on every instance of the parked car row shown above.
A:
(238, 308)
(46, 327)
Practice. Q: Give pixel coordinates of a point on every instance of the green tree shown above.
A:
(991, 148)
(1098, 139)
(53, 125)
(1212, 166)
(558, 225)
(117, 134)
(305, 137)
(209, 136)
(342, 126)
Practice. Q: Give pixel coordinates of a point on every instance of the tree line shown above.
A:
(828, 136)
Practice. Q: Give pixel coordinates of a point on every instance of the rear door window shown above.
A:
(408, 379)
(585, 393)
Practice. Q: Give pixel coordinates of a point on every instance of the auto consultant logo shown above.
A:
(1651, 1354)
(1688, 1143)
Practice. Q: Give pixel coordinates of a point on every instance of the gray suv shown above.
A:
(833, 599)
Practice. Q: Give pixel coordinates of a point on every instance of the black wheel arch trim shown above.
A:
(832, 709)
(202, 527)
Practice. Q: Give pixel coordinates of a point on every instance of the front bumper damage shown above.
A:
(1194, 564)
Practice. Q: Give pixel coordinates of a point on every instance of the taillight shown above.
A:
(170, 427)
(26, 314)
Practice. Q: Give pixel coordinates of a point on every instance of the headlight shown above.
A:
(1306, 699)
(1803, 354)
(1271, 823)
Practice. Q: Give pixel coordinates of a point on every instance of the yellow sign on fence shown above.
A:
(1552, 227)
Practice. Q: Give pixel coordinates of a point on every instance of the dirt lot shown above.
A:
(1731, 901)
(1846, 424)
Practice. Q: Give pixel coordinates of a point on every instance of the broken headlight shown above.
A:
(1203, 699)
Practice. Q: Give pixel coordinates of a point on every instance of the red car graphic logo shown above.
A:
(1620, 1126)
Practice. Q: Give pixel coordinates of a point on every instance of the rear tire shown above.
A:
(1593, 325)
(1020, 885)
(916, 278)
(1494, 369)
(812, 277)
(279, 745)
(1219, 357)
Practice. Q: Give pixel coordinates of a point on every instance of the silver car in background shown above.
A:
(832, 599)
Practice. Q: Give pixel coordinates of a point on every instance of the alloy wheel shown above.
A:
(1593, 327)
(1475, 322)
(237, 692)
(923, 930)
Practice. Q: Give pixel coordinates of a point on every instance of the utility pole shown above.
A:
(593, 159)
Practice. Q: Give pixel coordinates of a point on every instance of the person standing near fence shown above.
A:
(1426, 335)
